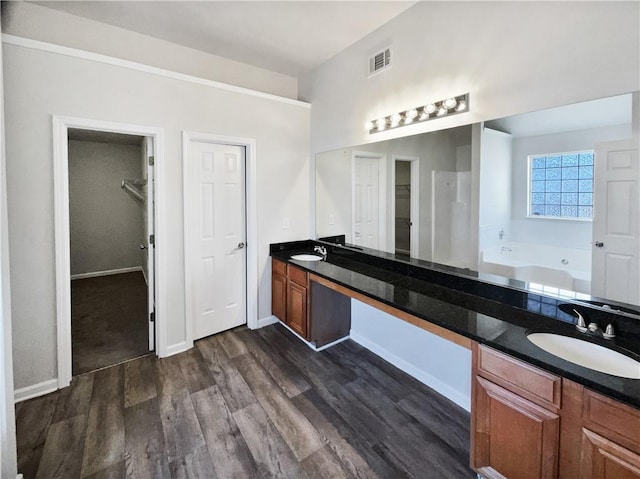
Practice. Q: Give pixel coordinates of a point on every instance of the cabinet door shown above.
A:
(513, 437)
(604, 459)
(297, 308)
(279, 297)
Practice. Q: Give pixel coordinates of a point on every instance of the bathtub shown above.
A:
(564, 268)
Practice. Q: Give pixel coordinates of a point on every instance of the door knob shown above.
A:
(143, 246)
(240, 246)
(598, 244)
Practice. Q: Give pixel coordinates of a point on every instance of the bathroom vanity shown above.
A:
(533, 414)
(305, 304)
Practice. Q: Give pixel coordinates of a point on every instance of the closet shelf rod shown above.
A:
(130, 187)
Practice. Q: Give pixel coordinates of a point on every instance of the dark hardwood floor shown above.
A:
(245, 404)
(108, 320)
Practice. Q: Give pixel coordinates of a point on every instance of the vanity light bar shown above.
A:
(438, 109)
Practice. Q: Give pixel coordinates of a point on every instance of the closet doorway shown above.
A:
(405, 205)
(111, 243)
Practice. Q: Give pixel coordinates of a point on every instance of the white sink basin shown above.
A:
(588, 355)
(306, 257)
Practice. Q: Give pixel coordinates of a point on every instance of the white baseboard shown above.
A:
(311, 345)
(327, 346)
(145, 276)
(35, 390)
(424, 377)
(176, 348)
(298, 336)
(262, 322)
(107, 272)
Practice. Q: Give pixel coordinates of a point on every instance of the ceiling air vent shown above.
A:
(380, 61)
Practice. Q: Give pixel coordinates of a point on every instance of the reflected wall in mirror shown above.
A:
(404, 196)
(549, 198)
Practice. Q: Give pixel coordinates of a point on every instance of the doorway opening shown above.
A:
(405, 204)
(129, 187)
(111, 228)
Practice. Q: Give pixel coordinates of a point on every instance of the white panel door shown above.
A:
(616, 236)
(366, 202)
(217, 253)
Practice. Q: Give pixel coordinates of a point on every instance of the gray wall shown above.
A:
(509, 60)
(493, 50)
(84, 88)
(562, 233)
(8, 459)
(106, 223)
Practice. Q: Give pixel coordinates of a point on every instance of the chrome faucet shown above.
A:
(322, 250)
(593, 328)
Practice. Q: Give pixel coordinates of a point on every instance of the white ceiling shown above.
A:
(289, 37)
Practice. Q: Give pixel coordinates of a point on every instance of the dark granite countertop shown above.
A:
(493, 321)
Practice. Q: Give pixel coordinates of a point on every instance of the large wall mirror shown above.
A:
(548, 199)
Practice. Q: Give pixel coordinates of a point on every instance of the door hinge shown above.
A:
(152, 160)
(152, 317)
(152, 239)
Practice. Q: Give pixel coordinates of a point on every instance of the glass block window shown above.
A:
(561, 185)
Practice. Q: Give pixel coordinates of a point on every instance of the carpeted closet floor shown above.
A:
(108, 320)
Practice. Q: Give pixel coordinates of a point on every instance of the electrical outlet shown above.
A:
(285, 223)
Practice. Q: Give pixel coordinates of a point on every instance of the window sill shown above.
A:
(559, 218)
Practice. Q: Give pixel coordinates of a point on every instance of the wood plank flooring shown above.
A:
(245, 404)
(108, 320)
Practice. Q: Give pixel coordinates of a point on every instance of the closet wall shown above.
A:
(106, 222)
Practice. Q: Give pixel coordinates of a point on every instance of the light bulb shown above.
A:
(382, 124)
(450, 103)
(442, 111)
(395, 119)
(462, 106)
(424, 116)
(411, 114)
(430, 108)
(369, 125)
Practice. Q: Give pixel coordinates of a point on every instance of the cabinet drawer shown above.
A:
(297, 276)
(278, 267)
(609, 417)
(528, 381)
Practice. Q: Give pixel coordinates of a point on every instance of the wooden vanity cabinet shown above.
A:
(289, 296)
(312, 308)
(279, 290)
(610, 439)
(515, 421)
(528, 423)
(297, 298)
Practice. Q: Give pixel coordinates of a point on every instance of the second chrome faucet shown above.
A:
(593, 327)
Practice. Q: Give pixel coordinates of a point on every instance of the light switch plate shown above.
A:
(285, 223)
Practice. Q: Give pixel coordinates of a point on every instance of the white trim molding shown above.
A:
(251, 206)
(106, 272)
(424, 377)
(96, 57)
(61, 125)
(177, 348)
(35, 390)
(269, 320)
